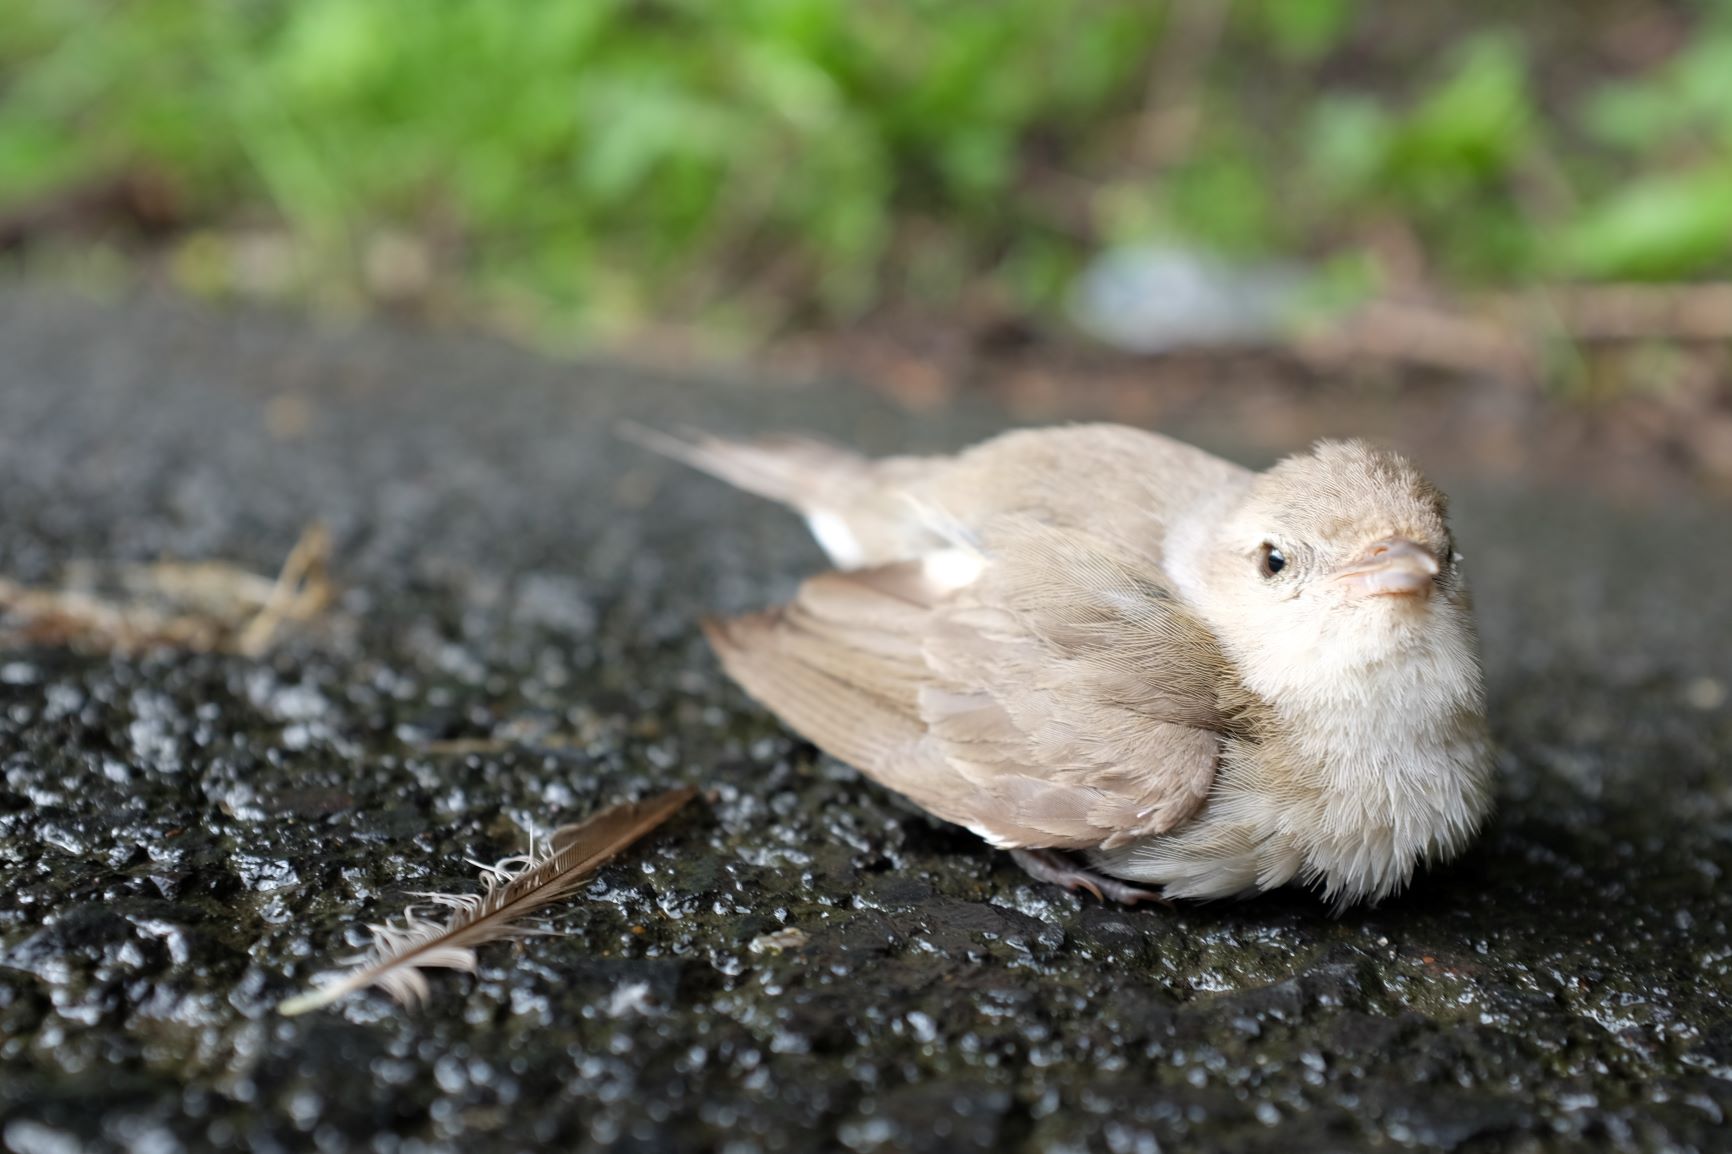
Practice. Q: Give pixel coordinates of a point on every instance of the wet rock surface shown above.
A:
(188, 838)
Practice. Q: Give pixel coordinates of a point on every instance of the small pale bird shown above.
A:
(1128, 661)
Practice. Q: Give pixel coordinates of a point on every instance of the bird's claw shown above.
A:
(1051, 866)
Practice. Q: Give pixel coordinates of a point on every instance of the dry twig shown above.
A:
(1509, 336)
(207, 606)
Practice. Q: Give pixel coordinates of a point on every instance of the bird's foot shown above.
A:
(1049, 865)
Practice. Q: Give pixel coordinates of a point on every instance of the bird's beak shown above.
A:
(1392, 567)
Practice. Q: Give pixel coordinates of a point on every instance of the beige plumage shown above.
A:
(1098, 639)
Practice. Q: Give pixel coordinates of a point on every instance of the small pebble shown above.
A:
(776, 942)
(1705, 693)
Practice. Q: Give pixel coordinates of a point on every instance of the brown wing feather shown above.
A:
(1064, 699)
(845, 718)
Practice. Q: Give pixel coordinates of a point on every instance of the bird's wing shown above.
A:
(1062, 697)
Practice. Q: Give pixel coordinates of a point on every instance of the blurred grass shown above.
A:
(595, 167)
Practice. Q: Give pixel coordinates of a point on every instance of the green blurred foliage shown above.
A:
(1670, 224)
(603, 164)
(1450, 159)
(1304, 31)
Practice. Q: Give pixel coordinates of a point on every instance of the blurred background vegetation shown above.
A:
(591, 170)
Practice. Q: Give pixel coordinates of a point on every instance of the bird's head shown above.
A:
(1338, 563)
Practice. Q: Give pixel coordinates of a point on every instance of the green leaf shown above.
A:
(1478, 118)
(1672, 224)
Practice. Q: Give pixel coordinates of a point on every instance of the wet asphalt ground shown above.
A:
(187, 838)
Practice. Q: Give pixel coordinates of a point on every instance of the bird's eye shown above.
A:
(1273, 560)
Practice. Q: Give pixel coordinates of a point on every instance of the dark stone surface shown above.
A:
(187, 838)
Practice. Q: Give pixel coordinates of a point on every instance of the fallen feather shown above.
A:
(513, 889)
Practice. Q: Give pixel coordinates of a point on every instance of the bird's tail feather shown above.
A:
(796, 471)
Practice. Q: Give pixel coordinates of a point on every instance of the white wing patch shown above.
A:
(948, 570)
(836, 539)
